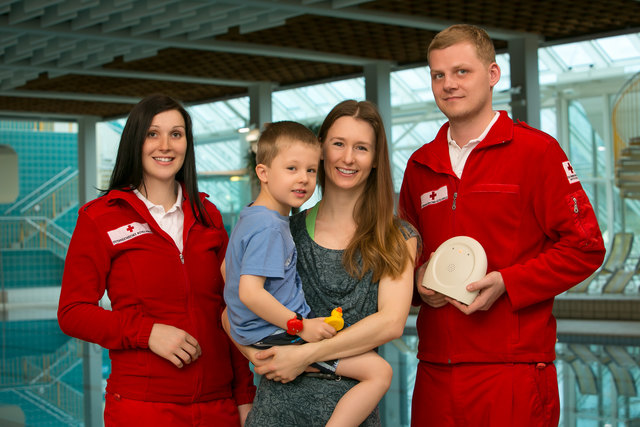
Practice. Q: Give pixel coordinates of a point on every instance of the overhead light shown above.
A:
(253, 135)
(244, 130)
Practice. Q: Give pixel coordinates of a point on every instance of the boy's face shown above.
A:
(291, 178)
(461, 81)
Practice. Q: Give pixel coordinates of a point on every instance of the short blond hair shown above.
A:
(465, 33)
(274, 134)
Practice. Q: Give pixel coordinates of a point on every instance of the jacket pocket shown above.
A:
(584, 219)
(496, 188)
(494, 206)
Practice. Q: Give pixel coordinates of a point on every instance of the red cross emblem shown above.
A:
(130, 228)
(433, 195)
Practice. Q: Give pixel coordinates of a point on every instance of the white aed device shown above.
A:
(456, 263)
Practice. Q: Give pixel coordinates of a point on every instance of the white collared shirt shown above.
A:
(171, 221)
(459, 155)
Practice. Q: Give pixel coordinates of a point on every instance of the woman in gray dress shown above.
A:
(352, 252)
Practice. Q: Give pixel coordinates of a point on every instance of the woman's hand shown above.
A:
(283, 363)
(173, 344)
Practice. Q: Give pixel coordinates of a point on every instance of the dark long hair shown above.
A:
(378, 238)
(128, 171)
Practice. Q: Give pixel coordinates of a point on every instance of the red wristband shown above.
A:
(295, 325)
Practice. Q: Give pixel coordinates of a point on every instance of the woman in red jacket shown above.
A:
(155, 245)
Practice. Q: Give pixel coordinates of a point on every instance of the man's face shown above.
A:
(461, 82)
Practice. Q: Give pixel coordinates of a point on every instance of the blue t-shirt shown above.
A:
(261, 245)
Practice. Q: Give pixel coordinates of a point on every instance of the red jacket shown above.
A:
(518, 196)
(118, 246)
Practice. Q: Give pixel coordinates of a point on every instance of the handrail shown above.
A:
(44, 403)
(37, 190)
(45, 234)
(26, 370)
(50, 223)
(50, 191)
(38, 378)
(632, 129)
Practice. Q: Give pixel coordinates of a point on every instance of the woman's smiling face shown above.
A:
(349, 153)
(164, 147)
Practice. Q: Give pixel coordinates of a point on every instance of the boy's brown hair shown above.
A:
(274, 134)
(465, 33)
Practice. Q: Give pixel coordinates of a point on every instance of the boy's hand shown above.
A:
(316, 329)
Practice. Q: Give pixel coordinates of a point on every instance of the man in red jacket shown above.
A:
(511, 188)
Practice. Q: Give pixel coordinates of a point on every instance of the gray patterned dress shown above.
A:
(308, 401)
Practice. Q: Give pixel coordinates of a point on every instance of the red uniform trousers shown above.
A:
(119, 412)
(486, 394)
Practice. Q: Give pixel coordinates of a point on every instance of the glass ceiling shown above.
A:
(415, 115)
(309, 104)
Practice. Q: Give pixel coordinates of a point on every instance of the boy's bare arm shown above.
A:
(257, 299)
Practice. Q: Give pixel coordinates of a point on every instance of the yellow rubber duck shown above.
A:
(335, 319)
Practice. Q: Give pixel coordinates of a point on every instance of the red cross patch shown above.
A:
(128, 232)
(434, 196)
(571, 174)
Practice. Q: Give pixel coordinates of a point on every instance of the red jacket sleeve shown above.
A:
(83, 285)
(243, 388)
(566, 216)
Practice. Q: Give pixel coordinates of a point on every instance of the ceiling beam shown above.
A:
(127, 74)
(67, 96)
(182, 42)
(373, 16)
(28, 115)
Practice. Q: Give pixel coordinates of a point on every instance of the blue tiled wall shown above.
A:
(68, 219)
(28, 268)
(41, 154)
(31, 337)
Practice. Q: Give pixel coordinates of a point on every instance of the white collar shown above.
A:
(475, 141)
(150, 205)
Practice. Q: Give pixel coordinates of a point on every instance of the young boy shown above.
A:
(263, 291)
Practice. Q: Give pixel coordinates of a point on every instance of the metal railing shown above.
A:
(55, 200)
(41, 377)
(31, 370)
(42, 191)
(34, 232)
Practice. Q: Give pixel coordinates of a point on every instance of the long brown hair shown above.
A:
(378, 243)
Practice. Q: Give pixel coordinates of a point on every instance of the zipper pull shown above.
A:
(181, 258)
(575, 205)
(455, 196)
